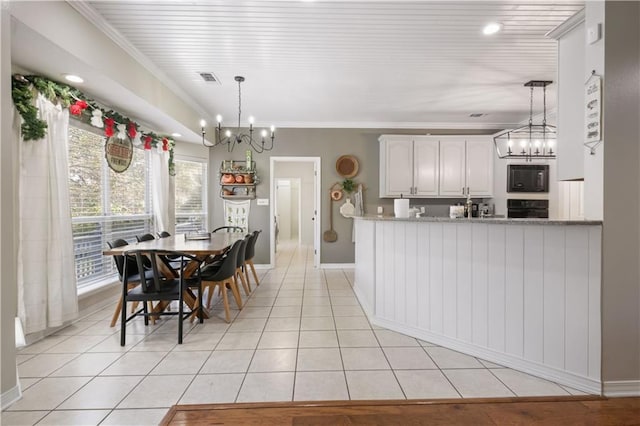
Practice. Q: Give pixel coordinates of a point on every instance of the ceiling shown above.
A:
(382, 64)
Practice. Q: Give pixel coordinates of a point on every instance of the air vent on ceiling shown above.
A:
(477, 114)
(209, 77)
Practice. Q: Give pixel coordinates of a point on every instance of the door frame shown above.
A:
(316, 161)
(298, 193)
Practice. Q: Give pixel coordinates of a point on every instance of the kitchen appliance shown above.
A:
(527, 178)
(528, 208)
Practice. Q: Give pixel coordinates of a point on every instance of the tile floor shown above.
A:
(301, 336)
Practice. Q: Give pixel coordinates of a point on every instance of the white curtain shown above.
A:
(161, 194)
(47, 290)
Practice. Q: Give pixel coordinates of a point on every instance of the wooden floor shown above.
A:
(564, 411)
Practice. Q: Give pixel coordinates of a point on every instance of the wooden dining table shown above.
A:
(217, 244)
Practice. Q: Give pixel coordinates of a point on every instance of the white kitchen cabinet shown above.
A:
(408, 166)
(466, 166)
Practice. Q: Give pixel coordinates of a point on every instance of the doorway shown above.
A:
(295, 202)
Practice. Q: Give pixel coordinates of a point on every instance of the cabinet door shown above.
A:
(426, 168)
(480, 154)
(452, 168)
(398, 168)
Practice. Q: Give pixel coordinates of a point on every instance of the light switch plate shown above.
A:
(594, 33)
(263, 201)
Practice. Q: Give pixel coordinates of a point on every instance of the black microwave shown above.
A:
(527, 178)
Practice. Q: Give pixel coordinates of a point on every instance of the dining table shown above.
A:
(201, 245)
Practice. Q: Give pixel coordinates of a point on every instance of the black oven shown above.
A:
(527, 178)
(528, 208)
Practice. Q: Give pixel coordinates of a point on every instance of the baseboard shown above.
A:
(368, 310)
(566, 378)
(9, 397)
(615, 388)
(262, 266)
(337, 266)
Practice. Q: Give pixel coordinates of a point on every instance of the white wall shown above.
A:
(303, 171)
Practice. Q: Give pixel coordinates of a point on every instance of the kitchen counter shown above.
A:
(524, 293)
(486, 220)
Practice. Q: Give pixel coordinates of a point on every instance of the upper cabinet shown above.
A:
(435, 166)
(571, 77)
(408, 166)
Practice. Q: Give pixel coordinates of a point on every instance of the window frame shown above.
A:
(204, 190)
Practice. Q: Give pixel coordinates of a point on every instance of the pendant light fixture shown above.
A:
(235, 137)
(532, 141)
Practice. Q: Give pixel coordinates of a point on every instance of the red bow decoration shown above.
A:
(75, 109)
(165, 144)
(108, 127)
(82, 104)
(147, 142)
(132, 130)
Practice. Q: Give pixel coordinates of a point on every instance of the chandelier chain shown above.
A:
(239, 103)
(531, 107)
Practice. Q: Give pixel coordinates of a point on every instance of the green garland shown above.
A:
(33, 128)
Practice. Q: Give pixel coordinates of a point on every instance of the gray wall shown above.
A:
(8, 213)
(621, 156)
(329, 144)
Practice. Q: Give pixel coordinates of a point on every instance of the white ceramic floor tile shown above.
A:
(255, 312)
(262, 387)
(525, 385)
(319, 359)
(446, 358)
(316, 311)
(134, 363)
(156, 343)
(408, 358)
(425, 384)
(341, 293)
(87, 364)
(21, 358)
(309, 293)
(100, 329)
(260, 301)
(357, 339)
(320, 386)
(232, 361)
(185, 362)
(247, 324)
(211, 326)
(373, 385)
(135, 417)
(345, 301)
(157, 392)
(21, 418)
(76, 327)
(112, 343)
(268, 360)
(477, 383)
(43, 365)
(317, 323)
(239, 341)
(318, 339)
(26, 383)
(425, 343)
(573, 391)
(391, 338)
(283, 324)
(199, 342)
(286, 312)
(42, 345)
(364, 359)
(213, 389)
(278, 340)
(48, 393)
(352, 323)
(101, 393)
(74, 417)
(75, 344)
(295, 302)
(316, 301)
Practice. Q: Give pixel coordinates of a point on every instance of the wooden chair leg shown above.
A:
(211, 287)
(245, 285)
(253, 270)
(117, 313)
(225, 302)
(236, 292)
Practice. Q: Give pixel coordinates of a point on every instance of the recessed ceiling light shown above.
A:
(492, 28)
(73, 78)
(176, 135)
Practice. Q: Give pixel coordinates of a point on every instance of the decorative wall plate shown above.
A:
(347, 166)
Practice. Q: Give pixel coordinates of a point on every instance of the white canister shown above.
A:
(401, 207)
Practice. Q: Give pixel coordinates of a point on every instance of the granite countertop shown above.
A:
(486, 220)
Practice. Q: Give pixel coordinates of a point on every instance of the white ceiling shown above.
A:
(417, 64)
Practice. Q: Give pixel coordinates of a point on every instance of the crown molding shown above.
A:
(89, 13)
(390, 125)
(561, 30)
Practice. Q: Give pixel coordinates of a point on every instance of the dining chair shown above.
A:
(163, 234)
(228, 229)
(222, 276)
(145, 237)
(160, 288)
(248, 257)
(240, 266)
(133, 278)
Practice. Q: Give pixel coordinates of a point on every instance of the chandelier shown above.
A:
(234, 137)
(532, 141)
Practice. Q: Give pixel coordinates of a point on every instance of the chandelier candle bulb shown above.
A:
(219, 118)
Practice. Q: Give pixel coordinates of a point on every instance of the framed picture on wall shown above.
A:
(593, 109)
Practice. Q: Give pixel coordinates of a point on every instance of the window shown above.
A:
(191, 190)
(104, 205)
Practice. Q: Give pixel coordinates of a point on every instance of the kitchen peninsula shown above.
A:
(524, 293)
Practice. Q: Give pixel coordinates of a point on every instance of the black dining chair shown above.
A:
(145, 237)
(228, 229)
(249, 253)
(161, 288)
(240, 266)
(133, 278)
(163, 234)
(222, 276)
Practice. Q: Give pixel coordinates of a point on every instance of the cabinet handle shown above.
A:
(463, 190)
